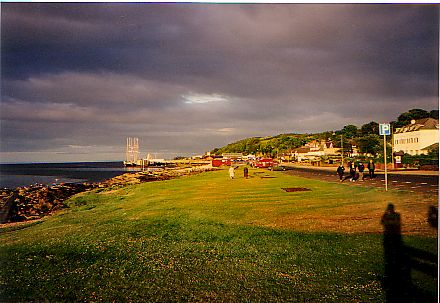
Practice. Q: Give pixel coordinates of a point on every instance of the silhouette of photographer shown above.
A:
(401, 259)
(433, 216)
(397, 280)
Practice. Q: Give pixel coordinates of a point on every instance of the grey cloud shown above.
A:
(91, 89)
(101, 72)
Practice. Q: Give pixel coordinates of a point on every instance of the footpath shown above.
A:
(426, 182)
(395, 171)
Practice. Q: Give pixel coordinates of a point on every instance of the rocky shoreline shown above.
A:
(37, 201)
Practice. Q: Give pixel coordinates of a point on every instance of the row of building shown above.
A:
(416, 138)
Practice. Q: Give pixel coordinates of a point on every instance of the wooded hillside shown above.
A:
(366, 137)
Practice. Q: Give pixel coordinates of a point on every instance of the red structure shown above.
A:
(264, 163)
(220, 162)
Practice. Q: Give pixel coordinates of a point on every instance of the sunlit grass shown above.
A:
(208, 238)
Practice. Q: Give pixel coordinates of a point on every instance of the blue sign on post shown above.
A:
(384, 129)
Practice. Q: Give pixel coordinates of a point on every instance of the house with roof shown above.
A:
(313, 150)
(417, 137)
(301, 153)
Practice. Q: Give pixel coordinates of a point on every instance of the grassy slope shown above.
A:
(208, 238)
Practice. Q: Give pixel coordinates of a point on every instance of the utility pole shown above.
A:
(342, 151)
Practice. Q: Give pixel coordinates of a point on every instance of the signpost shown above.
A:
(385, 130)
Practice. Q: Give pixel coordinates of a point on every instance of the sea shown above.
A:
(17, 175)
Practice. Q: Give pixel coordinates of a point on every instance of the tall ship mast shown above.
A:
(131, 152)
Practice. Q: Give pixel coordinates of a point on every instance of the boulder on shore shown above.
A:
(36, 201)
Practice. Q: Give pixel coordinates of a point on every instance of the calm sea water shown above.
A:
(15, 175)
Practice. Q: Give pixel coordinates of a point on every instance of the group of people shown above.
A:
(356, 171)
(232, 172)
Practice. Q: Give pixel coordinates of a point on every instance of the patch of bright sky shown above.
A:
(203, 98)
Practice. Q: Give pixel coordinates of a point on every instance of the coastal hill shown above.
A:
(366, 137)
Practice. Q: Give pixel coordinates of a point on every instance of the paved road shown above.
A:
(410, 182)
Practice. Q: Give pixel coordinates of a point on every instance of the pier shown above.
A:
(132, 156)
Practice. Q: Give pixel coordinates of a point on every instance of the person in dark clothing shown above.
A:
(246, 172)
(355, 176)
(361, 169)
(352, 171)
(340, 172)
(371, 168)
(352, 174)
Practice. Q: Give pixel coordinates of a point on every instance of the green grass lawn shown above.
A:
(207, 238)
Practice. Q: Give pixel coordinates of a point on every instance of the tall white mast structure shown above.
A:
(132, 151)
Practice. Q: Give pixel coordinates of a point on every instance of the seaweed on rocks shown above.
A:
(36, 201)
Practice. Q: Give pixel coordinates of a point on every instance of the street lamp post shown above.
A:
(342, 152)
(342, 149)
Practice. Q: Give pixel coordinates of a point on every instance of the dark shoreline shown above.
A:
(21, 174)
(36, 201)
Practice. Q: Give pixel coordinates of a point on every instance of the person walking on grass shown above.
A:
(340, 172)
(361, 169)
(352, 174)
(246, 172)
(231, 172)
(355, 176)
(371, 168)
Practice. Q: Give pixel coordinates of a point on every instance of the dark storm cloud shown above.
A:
(189, 77)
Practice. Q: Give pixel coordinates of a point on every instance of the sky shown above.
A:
(77, 79)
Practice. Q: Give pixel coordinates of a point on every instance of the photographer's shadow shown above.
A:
(400, 260)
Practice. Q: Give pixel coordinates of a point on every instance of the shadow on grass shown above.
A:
(13, 227)
(176, 259)
(402, 262)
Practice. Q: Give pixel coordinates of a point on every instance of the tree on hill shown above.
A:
(350, 131)
(343, 142)
(413, 114)
(369, 144)
(366, 138)
(370, 128)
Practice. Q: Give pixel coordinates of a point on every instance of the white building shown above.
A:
(417, 137)
(233, 155)
(313, 150)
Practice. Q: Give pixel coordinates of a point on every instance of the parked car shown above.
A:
(264, 163)
(279, 168)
